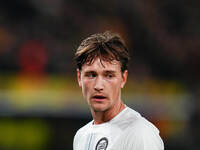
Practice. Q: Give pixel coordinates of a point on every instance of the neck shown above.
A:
(104, 116)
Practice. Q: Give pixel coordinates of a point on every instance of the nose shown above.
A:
(98, 84)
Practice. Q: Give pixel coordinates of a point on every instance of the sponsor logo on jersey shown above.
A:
(102, 144)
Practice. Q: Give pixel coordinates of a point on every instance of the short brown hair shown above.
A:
(107, 46)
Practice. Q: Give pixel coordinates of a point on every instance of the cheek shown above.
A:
(85, 88)
(115, 88)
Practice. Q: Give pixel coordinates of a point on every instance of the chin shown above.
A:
(99, 108)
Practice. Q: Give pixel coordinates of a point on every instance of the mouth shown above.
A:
(99, 98)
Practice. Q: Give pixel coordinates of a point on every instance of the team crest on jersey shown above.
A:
(102, 144)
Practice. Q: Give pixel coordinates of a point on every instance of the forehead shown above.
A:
(101, 65)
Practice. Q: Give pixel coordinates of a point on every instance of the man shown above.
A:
(102, 72)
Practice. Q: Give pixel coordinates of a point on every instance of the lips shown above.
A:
(99, 97)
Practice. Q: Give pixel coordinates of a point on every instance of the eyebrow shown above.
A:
(106, 71)
(110, 71)
(90, 71)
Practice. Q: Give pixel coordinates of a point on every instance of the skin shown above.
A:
(101, 87)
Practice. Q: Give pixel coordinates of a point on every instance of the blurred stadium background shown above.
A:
(41, 105)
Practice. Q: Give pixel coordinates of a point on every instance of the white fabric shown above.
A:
(126, 131)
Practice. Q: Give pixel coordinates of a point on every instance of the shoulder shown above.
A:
(83, 130)
(144, 135)
(138, 122)
(140, 135)
(125, 119)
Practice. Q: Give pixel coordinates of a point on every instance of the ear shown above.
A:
(79, 77)
(124, 78)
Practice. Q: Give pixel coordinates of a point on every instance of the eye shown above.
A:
(109, 75)
(90, 75)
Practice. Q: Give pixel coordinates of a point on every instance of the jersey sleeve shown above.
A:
(141, 138)
(75, 143)
(77, 139)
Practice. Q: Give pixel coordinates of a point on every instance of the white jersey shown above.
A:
(126, 131)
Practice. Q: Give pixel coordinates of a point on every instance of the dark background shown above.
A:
(41, 106)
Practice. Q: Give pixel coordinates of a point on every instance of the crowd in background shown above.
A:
(162, 36)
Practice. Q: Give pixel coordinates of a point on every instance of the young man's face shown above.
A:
(101, 84)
